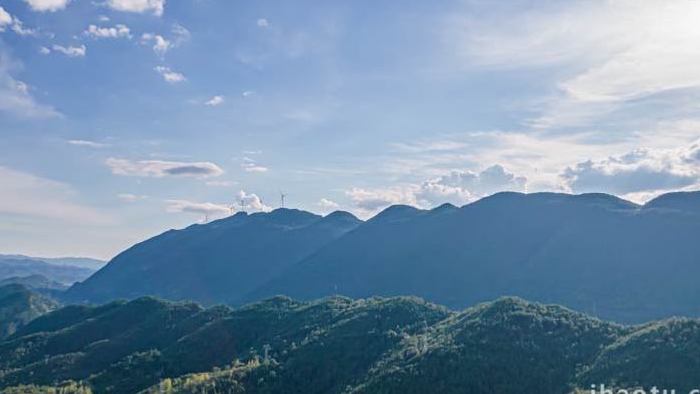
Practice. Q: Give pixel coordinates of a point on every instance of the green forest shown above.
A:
(340, 345)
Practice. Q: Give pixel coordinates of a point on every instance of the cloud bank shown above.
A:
(160, 169)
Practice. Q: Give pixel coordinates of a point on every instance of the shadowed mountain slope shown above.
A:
(592, 252)
(214, 262)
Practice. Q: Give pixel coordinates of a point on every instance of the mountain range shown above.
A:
(217, 262)
(80, 262)
(65, 271)
(340, 345)
(592, 252)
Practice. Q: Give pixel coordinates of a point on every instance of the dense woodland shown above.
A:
(339, 345)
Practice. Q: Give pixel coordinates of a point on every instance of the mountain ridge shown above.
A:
(542, 246)
(577, 250)
(240, 252)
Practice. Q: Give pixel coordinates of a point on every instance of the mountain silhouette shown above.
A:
(213, 262)
(592, 252)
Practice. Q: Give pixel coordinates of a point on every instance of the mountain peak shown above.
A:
(593, 199)
(446, 207)
(341, 217)
(396, 213)
(288, 213)
(681, 201)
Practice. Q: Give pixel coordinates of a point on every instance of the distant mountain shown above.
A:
(80, 262)
(35, 282)
(593, 252)
(19, 305)
(20, 266)
(214, 262)
(688, 202)
(337, 345)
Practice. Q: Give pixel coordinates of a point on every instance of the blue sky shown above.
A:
(120, 119)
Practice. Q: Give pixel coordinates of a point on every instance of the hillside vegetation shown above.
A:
(339, 345)
(19, 305)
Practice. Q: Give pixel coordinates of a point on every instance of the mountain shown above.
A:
(20, 266)
(18, 306)
(533, 347)
(214, 262)
(34, 282)
(80, 262)
(688, 202)
(338, 345)
(592, 252)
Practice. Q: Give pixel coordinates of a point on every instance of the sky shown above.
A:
(120, 119)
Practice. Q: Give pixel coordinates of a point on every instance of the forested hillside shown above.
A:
(20, 305)
(337, 345)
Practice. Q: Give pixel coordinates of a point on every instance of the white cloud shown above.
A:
(44, 50)
(201, 208)
(130, 198)
(427, 146)
(215, 101)
(103, 18)
(169, 75)
(18, 28)
(180, 34)
(15, 96)
(249, 165)
(117, 31)
(70, 51)
(328, 205)
(251, 202)
(247, 93)
(5, 19)
(159, 168)
(47, 5)
(32, 196)
(457, 187)
(262, 22)
(370, 201)
(602, 55)
(639, 172)
(139, 6)
(160, 44)
(86, 143)
(460, 187)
